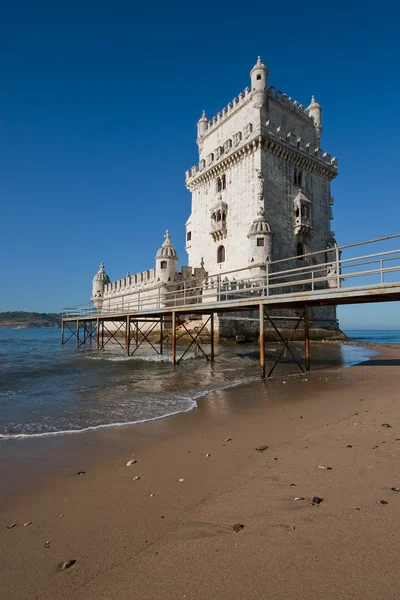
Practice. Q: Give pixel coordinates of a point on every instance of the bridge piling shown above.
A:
(262, 341)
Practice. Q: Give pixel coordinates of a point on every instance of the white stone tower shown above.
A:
(260, 165)
(166, 261)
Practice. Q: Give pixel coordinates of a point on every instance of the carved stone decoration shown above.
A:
(237, 138)
(218, 152)
(227, 146)
(209, 159)
(260, 186)
(247, 130)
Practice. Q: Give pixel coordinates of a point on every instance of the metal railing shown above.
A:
(324, 271)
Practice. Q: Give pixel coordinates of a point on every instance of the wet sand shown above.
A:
(159, 537)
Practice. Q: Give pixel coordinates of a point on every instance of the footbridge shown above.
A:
(363, 272)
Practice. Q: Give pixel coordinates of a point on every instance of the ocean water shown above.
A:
(48, 389)
(375, 336)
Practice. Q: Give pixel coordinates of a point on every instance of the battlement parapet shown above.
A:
(288, 138)
(132, 283)
(289, 103)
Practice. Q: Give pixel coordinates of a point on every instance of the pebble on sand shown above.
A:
(383, 502)
(181, 479)
(27, 523)
(208, 454)
(131, 462)
(11, 526)
(228, 440)
(81, 473)
(317, 500)
(46, 545)
(136, 478)
(395, 489)
(261, 448)
(66, 564)
(237, 527)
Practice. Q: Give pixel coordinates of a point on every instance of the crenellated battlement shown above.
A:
(289, 103)
(289, 139)
(228, 110)
(131, 283)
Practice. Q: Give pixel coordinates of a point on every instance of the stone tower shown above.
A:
(261, 166)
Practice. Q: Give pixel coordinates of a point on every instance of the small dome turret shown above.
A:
(99, 281)
(202, 125)
(259, 225)
(167, 250)
(166, 261)
(315, 110)
(259, 75)
(260, 239)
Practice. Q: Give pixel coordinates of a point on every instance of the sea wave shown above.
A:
(192, 405)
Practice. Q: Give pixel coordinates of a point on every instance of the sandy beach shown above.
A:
(164, 526)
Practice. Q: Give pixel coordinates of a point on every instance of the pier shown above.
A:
(336, 276)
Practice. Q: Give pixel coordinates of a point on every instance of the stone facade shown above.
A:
(260, 193)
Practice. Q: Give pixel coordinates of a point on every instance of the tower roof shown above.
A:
(259, 226)
(258, 65)
(313, 104)
(101, 275)
(167, 250)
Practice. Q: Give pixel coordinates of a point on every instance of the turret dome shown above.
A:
(101, 275)
(259, 65)
(167, 250)
(259, 226)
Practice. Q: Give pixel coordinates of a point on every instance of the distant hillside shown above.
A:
(29, 320)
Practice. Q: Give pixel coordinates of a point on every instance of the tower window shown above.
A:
(298, 177)
(300, 250)
(260, 241)
(223, 181)
(258, 77)
(221, 254)
(163, 264)
(219, 184)
(188, 236)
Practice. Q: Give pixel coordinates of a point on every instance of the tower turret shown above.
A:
(99, 281)
(259, 75)
(202, 125)
(260, 239)
(166, 261)
(315, 110)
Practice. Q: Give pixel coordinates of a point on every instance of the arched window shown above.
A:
(219, 184)
(221, 254)
(188, 236)
(163, 264)
(223, 182)
(300, 250)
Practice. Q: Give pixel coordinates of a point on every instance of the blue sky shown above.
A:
(98, 110)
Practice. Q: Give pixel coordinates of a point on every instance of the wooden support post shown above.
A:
(173, 337)
(161, 334)
(128, 334)
(62, 333)
(307, 339)
(90, 332)
(212, 336)
(102, 334)
(262, 342)
(97, 334)
(77, 333)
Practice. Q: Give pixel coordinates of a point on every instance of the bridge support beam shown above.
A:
(307, 340)
(173, 337)
(262, 341)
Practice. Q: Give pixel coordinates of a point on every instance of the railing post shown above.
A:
(184, 293)
(337, 266)
(262, 341)
(382, 273)
(312, 280)
(77, 333)
(161, 334)
(62, 332)
(267, 276)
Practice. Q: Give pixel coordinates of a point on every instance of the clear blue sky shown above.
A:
(98, 110)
